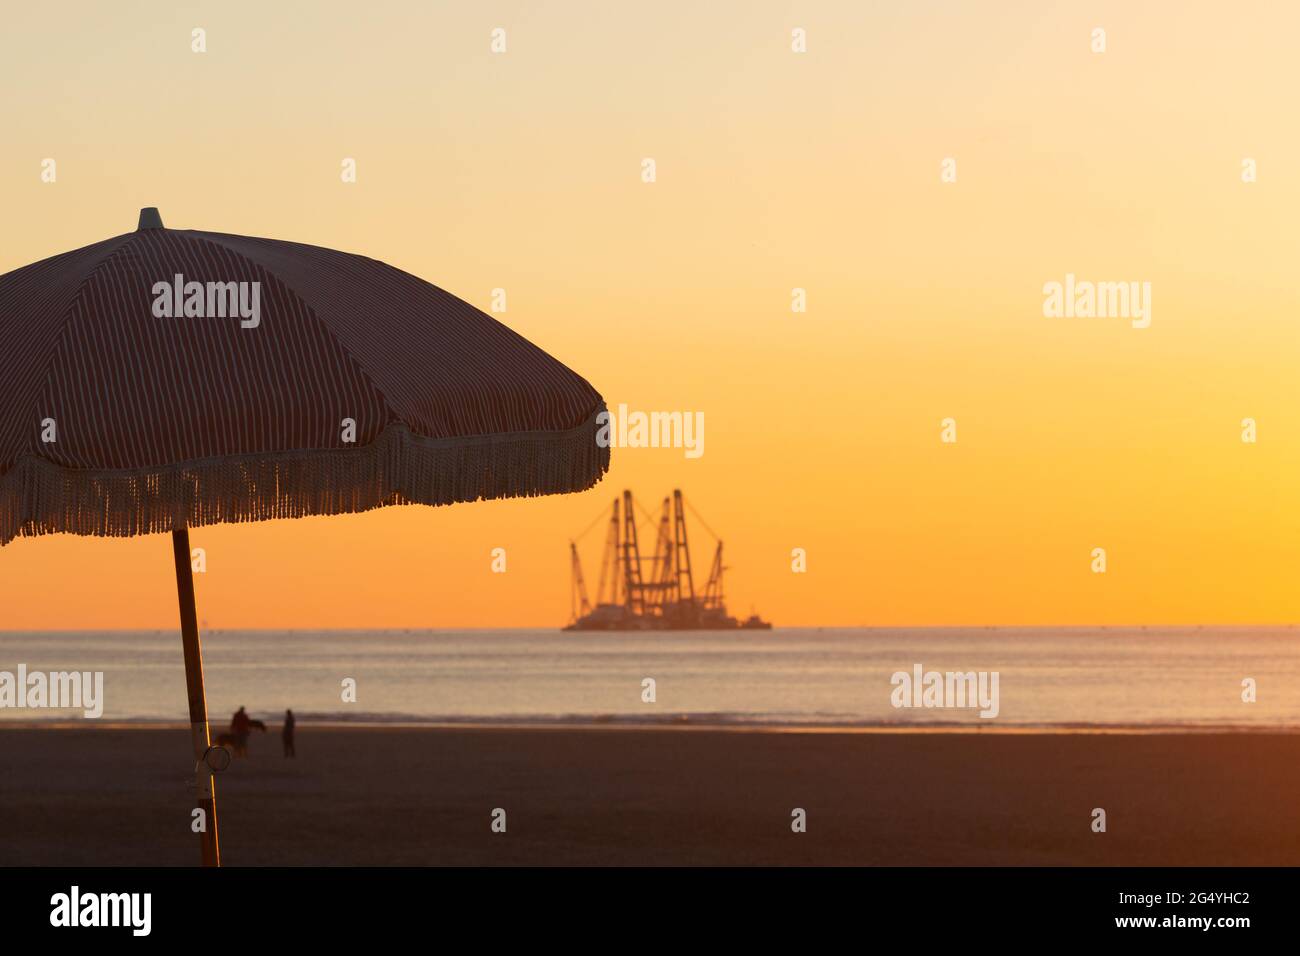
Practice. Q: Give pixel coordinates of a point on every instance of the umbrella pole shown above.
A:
(206, 790)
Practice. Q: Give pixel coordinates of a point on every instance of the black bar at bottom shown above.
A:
(972, 905)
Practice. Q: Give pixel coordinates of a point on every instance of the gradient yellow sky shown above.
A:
(775, 170)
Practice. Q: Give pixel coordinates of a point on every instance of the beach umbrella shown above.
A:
(167, 379)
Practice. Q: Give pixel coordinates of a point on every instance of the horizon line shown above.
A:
(560, 628)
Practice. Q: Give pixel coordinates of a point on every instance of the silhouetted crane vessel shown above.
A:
(664, 599)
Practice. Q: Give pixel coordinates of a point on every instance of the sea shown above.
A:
(1067, 678)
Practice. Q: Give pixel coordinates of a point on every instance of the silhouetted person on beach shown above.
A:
(240, 726)
(287, 734)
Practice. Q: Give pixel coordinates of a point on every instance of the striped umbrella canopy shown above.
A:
(166, 379)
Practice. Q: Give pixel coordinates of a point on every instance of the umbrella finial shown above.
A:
(149, 218)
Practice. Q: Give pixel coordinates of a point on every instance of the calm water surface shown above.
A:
(1158, 678)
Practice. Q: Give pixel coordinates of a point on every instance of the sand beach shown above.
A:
(417, 796)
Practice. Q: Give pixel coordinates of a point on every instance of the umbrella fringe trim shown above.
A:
(399, 467)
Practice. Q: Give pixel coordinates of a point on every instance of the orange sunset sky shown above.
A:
(775, 170)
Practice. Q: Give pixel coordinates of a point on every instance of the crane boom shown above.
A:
(578, 603)
(682, 551)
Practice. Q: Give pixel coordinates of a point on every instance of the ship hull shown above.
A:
(608, 618)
